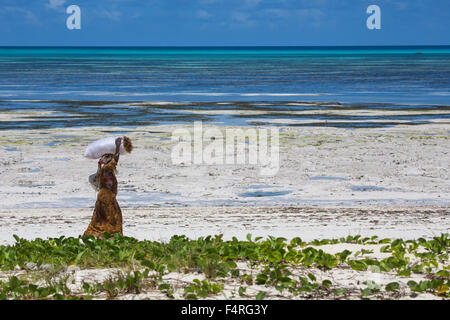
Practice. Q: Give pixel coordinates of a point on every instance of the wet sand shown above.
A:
(308, 223)
(331, 181)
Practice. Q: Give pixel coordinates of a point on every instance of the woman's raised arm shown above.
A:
(117, 154)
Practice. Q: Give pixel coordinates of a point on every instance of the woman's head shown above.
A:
(106, 158)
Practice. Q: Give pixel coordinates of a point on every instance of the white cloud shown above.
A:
(401, 5)
(276, 13)
(239, 17)
(242, 19)
(28, 15)
(55, 4)
(203, 14)
(110, 14)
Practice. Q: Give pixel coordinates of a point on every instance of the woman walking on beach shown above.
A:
(107, 215)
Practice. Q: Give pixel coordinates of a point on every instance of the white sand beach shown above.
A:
(331, 182)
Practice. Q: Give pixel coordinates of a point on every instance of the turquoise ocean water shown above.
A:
(92, 82)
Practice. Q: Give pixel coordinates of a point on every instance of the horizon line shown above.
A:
(223, 46)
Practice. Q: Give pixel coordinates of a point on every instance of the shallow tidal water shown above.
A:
(294, 86)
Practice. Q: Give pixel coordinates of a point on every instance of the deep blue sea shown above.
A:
(92, 82)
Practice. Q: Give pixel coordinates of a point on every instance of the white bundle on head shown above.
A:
(100, 147)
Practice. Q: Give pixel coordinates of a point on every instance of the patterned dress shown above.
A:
(107, 214)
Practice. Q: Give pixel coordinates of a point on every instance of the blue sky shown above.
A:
(224, 22)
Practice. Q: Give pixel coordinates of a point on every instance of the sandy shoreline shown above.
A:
(390, 181)
(397, 166)
(159, 224)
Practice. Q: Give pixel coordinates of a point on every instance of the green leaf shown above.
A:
(188, 289)
(423, 285)
(164, 286)
(78, 258)
(339, 292)
(392, 286)
(374, 268)
(235, 273)
(358, 265)
(343, 255)
(121, 284)
(404, 273)
(417, 268)
(276, 256)
(365, 292)
(260, 295)
(372, 285)
(414, 286)
(443, 273)
(326, 283)
(261, 278)
(149, 264)
(231, 264)
(191, 296)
